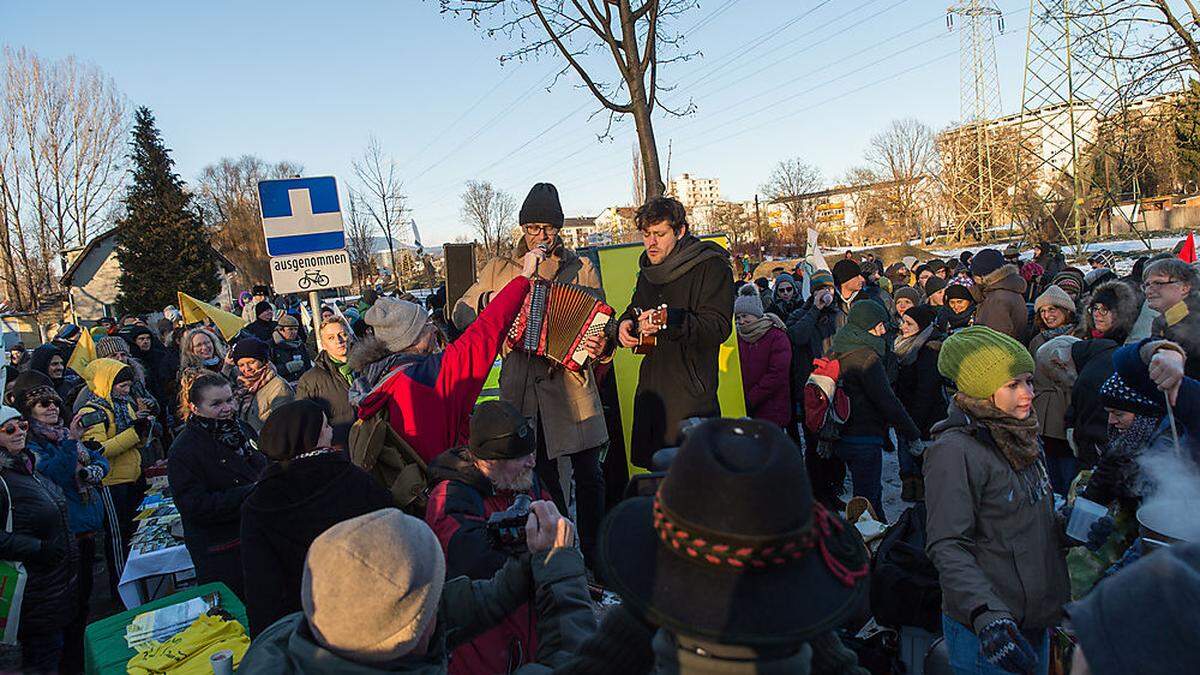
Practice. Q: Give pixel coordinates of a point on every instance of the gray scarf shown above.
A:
(753, 331)
(688, 252)
(907, 348)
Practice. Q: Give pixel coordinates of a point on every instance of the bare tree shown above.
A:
(227, 193)
(639, 180)
(379, 195)
(634, 34)
(903, 155)
(732, 220)
(490, 213)
(360, 242)
(1155, 45)
(791, 178)
(62, 130)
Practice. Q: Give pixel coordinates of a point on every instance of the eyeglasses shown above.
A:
(12, 427)
(545, 229)
(1147, 285)
(1101, 310)
(46, 402)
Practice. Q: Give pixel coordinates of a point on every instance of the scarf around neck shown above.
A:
(687, 254)
(1016, 439)
(118, 406)
(753, 331)
(55, 433)
(850, 337)
(253, 384)
(907, 348)
(226, 432)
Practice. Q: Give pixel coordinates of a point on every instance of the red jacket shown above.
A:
(766, 376)
(429, 397)
(457, 511)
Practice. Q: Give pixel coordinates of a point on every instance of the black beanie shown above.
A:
(250, 347)
(500, 431)
(542, 206)
(844, 270)
(958, 292)
(292, 429)
(123, 375)
(923, 315)
(935, 284)
(986, 261)
(261, 307)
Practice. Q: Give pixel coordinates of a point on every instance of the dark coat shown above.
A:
(1086, 415)
(1121, 302)
(325, 385)
(291, 359)
(288, 508)
(811, 330)
(263, 330)
(210, 481)
(920, 387)
(678, 379)
(766, 376)
(1001, 296)
(1181, 325)
(873, 405)
(41, 539)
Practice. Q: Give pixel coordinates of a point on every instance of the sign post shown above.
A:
(305, 236)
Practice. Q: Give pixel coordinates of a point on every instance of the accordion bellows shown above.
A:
(556, 320)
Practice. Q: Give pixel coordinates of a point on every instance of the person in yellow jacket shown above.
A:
(121, 434)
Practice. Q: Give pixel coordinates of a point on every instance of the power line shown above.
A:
(461, 117)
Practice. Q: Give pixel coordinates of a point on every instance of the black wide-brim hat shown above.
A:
(752, 559)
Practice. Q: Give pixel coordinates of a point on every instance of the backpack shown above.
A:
(376, 448)
(904, 582)
(826, 405)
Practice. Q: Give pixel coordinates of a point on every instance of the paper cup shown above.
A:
(222, 662)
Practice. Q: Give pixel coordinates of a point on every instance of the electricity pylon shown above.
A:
(969, 147)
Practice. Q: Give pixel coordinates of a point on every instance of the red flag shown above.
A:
(1188, 253)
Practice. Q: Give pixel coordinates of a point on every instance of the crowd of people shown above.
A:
(343, 479)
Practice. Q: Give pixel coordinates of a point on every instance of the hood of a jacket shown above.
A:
(100, 376)
(289, 647)
(453, 465)
(1084, 351)
(955, 419)
(1121, 302)
(8, 461)
(1007, 278)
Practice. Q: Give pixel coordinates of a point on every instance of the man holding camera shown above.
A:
(470, 509)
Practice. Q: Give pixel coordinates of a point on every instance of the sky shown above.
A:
(311, 82)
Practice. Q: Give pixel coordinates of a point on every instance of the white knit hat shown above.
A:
(7, 413)
(397, 323)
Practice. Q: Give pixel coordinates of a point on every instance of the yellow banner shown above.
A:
(84, 352)
(194, 310)
(618, 272)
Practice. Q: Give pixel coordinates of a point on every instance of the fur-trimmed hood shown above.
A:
(365, 351)
(1120, 299)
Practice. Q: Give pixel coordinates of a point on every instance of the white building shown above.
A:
(692, 192)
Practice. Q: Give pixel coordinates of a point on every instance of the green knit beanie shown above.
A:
(866, 314)
(980, 360)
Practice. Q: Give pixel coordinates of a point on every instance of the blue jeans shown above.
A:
(909, 465)
(1061, 471)
(967, 658)
(864, 457)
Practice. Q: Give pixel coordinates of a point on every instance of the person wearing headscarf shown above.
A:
(959, 310)
(78, 470)
(308, 487)
(38, 537)
(860, 348)
(260, 389)
(212, 467)
(991, 528)
(920, 389)
(766, 359)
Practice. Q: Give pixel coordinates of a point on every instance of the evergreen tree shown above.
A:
(161, 241)
(1187, 136)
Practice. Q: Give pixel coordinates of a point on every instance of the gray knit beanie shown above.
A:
(396, 322)
(372, 585)
(748, 302)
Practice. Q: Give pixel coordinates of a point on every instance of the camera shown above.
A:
(506, 529)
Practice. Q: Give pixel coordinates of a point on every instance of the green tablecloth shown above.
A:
(104, 649)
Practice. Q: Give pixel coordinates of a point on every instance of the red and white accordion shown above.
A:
(556, 320)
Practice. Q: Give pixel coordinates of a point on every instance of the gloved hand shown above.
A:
(1099, 532)
(1005, 647)
(92, 474)
(295, 366)
(95, 446)
(916, 448)
(143, 425)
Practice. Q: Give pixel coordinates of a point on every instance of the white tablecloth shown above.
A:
(139, 566)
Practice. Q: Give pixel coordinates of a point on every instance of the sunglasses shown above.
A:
(12, 427)
(47, 402)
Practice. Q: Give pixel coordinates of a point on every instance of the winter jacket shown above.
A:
(263, 330)
(1087, 417)
(291, 359)
(556, 581)
(41, 539)
(210, 481)
(873, 405)
(325, 384)
(991, 531)
(459, 505)
(69, 384)
(919, 387)
(287, 509)
(766, 376)
(567, 404)
(121, 448)
(258, 407)
(811, 331)
(429, 397)
(678, 378)
(1123, 308)
(1001, 302)
(57, 461)
(1181, 324)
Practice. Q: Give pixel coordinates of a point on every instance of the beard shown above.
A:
(521, 482)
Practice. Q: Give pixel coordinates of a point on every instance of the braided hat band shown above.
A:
(778, 551)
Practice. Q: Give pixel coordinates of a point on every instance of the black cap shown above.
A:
(261, 290)
(542, 206)
(500, 431)
(844, 270)
(250, 347)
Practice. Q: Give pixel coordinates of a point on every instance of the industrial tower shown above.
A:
(969, 147)
(1068, 182)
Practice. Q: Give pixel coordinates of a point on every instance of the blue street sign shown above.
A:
(301, 215)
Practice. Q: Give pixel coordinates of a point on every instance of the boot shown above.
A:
(908, 488)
